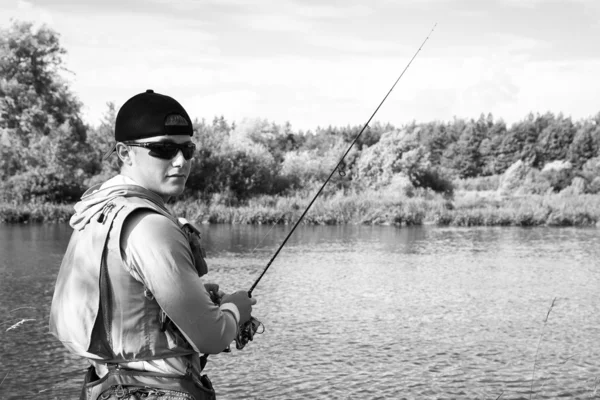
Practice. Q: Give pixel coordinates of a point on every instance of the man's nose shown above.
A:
(179, 159)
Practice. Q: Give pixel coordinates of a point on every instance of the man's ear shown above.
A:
(125, 153)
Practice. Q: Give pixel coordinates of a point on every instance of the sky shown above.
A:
(330, 62)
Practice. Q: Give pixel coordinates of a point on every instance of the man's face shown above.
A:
(164, 177)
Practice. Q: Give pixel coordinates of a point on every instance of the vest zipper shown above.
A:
(105, 210)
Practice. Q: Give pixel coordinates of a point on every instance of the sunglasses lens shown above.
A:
(167, 151)
(161, 152)
(188, 151)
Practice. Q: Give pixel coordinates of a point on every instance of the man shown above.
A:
(128, 294)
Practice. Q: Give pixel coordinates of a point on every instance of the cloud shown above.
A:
(236, 104)
(535, 3)
(276, 23)
(570, 87)
(326, 11)
(317, 63)
(23, 10)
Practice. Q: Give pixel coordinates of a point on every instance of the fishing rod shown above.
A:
(337, 165)
(247, 331)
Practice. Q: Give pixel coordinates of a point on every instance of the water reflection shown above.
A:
(353, 311)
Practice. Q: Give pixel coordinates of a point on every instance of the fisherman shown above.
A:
(128, 295)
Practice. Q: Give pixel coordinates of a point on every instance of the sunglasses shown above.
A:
(167, 150)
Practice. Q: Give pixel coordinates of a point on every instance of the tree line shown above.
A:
(48, 154)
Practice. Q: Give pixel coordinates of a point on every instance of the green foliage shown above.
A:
(380, 162)
(25, 213)
(535, 182)
(399, 152)
(33, 96)
(235, 164)
(555, 139)
(466, 158)
(48, 155)
(524, 136)
(591, 173)
(586, 143)
(100, 139)
(479, 184)
(559, 179)
(416, 165)
(309, 167)
(433, 137)
(52, 185)
(277, 140)
(44, 149)
(491, 157)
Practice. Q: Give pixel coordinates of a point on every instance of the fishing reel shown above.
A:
(247, 332)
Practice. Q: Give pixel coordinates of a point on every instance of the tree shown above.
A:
(100, 139)
(490, 149)
(435, 141)
(230, 162)
(44, 147)
(518, 144)
(399, 153)
(554, 139)
(34, 98)
(453, 132)
(467, 159)
(585, 144)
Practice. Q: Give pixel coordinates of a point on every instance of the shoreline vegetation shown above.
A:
(543, 170)
(468, 208)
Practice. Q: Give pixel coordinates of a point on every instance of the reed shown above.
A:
(480, 183)
(372, 207)
(19, 323)
(538, 347)
(35, 212)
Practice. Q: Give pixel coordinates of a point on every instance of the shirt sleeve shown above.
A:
(158, 253)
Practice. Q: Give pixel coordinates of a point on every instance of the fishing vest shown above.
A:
(99, 310)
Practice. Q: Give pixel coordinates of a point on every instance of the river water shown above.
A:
(357, 312)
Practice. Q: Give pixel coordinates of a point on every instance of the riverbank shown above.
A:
(467, 208)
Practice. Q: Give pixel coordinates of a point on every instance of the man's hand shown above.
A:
(216, 295)
(243, 302)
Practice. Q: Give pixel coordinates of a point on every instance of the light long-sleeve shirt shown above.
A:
(157, 254)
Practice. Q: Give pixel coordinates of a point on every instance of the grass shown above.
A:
(381, 208)
(371, 207)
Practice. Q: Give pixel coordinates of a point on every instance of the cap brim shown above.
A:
(109, 152)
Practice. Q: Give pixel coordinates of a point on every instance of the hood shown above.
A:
(97, 197)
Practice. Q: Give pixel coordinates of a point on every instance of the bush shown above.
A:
(594, 186)
(237, 172)
(591, 173)
(433, 179)
(534, 183)
(558, 179)
(51, 185)
(33, 212)
(479, 184)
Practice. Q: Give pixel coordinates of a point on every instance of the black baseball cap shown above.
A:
(150, 114)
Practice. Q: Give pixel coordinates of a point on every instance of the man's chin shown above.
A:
(173, 190)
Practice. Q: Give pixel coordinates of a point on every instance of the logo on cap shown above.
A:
(175, 120)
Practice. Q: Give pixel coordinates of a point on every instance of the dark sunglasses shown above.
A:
(167, 150)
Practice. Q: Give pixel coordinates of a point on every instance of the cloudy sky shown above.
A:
(330, 62)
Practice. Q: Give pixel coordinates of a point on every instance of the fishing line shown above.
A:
(338, 164)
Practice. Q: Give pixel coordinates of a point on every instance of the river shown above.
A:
(356, 312)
